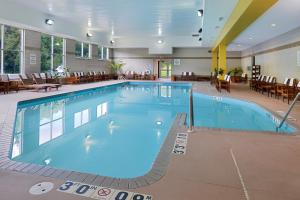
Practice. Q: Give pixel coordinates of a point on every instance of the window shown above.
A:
(101, 109)
(103, 53)
(52, 52)
(78, 49)
(81, 118)
(51, 121)
(11, 49)
(100, 54)
(83, 50)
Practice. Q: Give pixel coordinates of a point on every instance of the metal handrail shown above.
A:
(288, 112)
(191, 122)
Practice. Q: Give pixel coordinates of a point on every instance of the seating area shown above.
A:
(223, 83)
(150, 99)
(287, 90)
(132, 75)
(47, 81)
(189, 76)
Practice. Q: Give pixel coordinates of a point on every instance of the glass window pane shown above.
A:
(12, 38)
(11, 61)
(57, 128)
(100, 53)
(45, 134)
(45, 52)
(57, 60)
(107, 53)
(104, 53)
(86, 49)
(78, 49)
(58, 45)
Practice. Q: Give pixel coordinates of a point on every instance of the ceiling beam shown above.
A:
(243, 15)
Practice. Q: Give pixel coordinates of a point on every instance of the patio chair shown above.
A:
(244, 78)
(289, 92)
(11, 85)
(39, 80)
(30, 83)
(224, 84)
(71, 79)
(280, 87)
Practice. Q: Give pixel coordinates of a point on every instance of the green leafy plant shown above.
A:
(116, 66)
(236, 71)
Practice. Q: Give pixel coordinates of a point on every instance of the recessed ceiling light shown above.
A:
(273, 25)
(200, 13)
(89, 35)
(200, 30)
(49, 22)
(160, 41)
(112, 42)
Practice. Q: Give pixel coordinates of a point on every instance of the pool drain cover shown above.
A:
(41, 188)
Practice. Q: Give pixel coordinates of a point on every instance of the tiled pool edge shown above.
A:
(158, 170)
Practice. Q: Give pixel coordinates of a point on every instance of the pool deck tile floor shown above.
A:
(219, 164)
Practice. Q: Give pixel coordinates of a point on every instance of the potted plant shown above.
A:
(116, 67)
(235, 74)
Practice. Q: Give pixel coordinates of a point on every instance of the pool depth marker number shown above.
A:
(180, 144)
(101, 193)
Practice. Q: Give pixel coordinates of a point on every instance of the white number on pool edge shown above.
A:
(102, 193)
(180, 144)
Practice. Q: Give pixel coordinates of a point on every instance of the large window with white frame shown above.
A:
(12, 49)
(52, 52)
(103, 53)
(83, 50)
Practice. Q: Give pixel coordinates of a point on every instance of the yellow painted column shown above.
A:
(222, 58)
(214, 61)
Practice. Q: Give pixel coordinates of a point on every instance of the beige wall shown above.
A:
(197, 60)
(33, 46)
(85, 65)
(278, 56)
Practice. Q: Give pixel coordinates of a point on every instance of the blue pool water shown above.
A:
(117, 131)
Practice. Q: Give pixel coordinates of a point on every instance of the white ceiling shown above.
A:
(131, 23)
(285, 14)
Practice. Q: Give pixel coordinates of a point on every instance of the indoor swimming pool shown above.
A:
(118, 130)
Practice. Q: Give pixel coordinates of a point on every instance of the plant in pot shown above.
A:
(235, 74)
(116, 67)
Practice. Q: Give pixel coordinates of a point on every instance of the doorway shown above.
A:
(164, 69)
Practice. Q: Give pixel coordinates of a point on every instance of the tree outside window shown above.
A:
(52, 52)
(11, 49)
